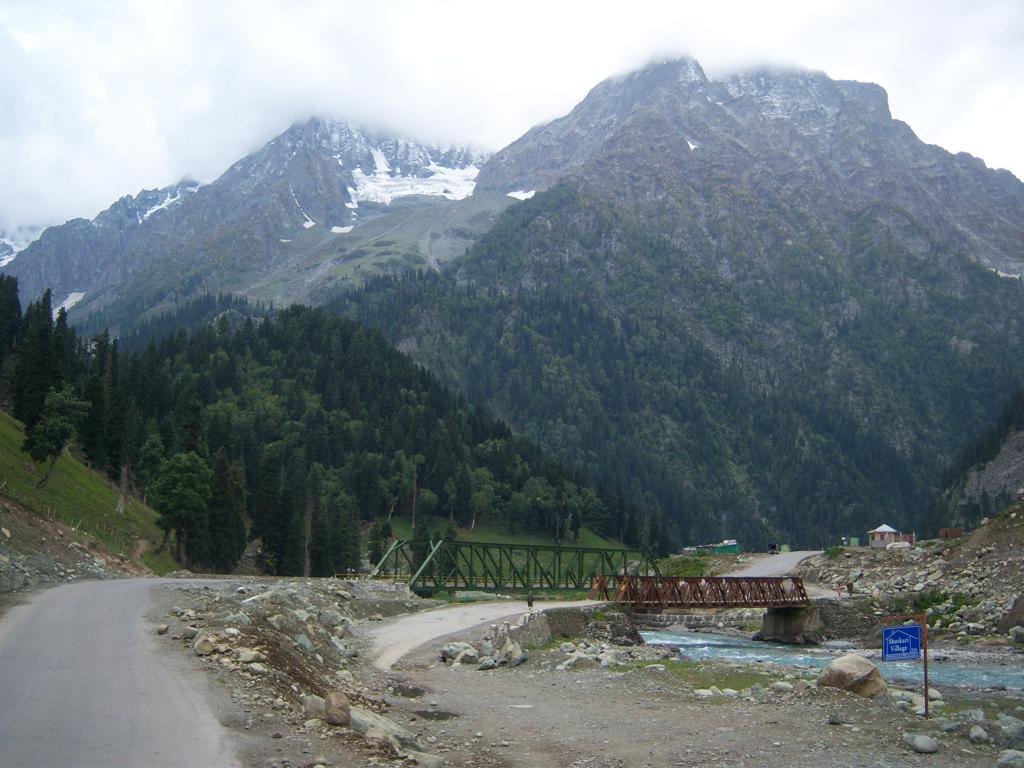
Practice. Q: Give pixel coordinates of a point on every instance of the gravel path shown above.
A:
(392, 640)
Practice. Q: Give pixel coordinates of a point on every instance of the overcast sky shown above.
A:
(100, 99)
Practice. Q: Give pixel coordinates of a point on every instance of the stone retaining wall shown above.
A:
(540, 627)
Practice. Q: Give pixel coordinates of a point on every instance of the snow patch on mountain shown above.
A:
(382, 187)
(308, 223)
(521, 195)
(12, 243)
(341, 230)
(73, 298)
(168, 201)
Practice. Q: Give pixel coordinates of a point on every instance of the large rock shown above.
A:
(468, 656)
(511, 653)
(337, 709)
(330, 618)
(450, 650)
(363, 720)
(314, 706)
(853, 673)
(1010, 758)
(203, 645)
(918, 742)
(1013, 617)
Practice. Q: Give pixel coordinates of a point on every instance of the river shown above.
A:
(957, 668)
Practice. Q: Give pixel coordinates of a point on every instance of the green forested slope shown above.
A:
(803, 399)
(295, 430)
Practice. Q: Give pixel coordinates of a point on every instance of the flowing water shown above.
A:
(959, 671)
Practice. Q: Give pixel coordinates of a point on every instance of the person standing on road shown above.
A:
(529, 599)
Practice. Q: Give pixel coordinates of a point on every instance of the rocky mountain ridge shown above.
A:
(316, 182)
(665, 139)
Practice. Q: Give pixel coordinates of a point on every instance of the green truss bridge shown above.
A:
(485, 566)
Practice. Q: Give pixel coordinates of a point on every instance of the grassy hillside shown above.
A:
(401, 527)
(78, 497)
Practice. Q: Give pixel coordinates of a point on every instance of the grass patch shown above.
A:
(75, 495)
(686, 565)
(159, 563)
(700, 674)
(833, 552)
(401, 528)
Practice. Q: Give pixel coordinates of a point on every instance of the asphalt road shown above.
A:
(394, 639)
(84, 684)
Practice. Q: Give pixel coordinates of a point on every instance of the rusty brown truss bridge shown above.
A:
(655, 593)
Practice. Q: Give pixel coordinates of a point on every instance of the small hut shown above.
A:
(884, 535)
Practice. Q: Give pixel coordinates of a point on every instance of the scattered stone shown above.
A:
(511, 653)
(162, 629)
(835, 719)
(426, 760)
(337, 709)
(305, 643)
(257, 669)
(331, 618)
(189, 632)
(363, 720)
(468, 656)
(450, 651)
(782, 687)
(1010, 758)
(855, 674)
(978, 735)
(918, 742)
(6, 533)
(655, 667)
(567, 648)
(314, 706)
(241, 618)
(249, 655)
(487, 663)
(203, 646)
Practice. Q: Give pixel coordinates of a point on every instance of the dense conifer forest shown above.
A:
(298, 429)
(810, 398)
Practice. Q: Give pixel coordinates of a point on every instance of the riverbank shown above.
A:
(282, 647)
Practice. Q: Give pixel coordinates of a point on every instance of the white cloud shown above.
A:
(102, 99)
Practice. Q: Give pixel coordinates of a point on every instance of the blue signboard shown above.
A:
(901, 643)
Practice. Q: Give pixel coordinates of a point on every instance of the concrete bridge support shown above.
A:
(799, 625)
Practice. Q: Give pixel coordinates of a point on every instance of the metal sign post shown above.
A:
(908, 643)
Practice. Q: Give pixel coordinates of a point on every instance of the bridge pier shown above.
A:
(798, 625)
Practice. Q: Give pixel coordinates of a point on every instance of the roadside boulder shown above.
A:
(451, 650)
(330, 618)
(920, 743)
(189, 632)
(1010, 758)
(314, 706)
(337, 709)
(363, 721)
(203, 645)
(487, 663)
(468, 656)
(853, 673)
(511, 653)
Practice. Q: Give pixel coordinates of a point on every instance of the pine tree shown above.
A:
(227, 513)
(35, 372)
(181, 494)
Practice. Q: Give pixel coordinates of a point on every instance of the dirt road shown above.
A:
(394, 639)
(83, 684)
(776, 565)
